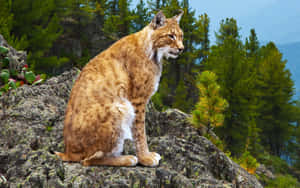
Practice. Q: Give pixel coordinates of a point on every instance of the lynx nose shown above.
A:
(180, 49)
(180, 46)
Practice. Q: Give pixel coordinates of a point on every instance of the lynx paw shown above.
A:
(150, 159)
(133, 160)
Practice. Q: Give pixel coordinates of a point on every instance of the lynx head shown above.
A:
(166, 36)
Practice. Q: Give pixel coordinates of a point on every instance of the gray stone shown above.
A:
(262, 170)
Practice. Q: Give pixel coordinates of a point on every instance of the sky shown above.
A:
(273, 20)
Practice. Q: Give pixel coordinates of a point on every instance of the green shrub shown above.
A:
(283, 181)
(209, 110)
(248, 162)
(280, 166)
(11, 79)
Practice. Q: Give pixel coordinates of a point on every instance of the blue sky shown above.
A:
(273, 20)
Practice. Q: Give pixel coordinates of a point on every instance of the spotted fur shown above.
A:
(108, 100)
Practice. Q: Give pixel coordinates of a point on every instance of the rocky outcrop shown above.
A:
(31, 128)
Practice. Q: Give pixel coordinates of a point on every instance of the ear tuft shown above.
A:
(178, 17)
(158, 20)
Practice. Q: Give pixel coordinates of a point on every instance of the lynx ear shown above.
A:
(158, 20)
(178, 17)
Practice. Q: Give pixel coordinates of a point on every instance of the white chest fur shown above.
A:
(126, 109)
(155, 84)
(156, 79)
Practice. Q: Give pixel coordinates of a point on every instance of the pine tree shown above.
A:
(35, 27)
(228, 29)
(293, 146)
(203, 39)
(125, 17)
(252, 44)
(253, 142)
(180, 99)
(6, 18)
(141, 16)
(118, 22)
(297, 137)
(156, 5)
(297, 147)
(228, 60)
(100, 9)
(209, 109)
(276, 91)
(252, 57)
(110, 27)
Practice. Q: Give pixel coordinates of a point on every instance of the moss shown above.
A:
(168, 182)
(136, 184)
(49, 128)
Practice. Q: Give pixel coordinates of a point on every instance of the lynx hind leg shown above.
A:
(122, 160)
(68, 157)
(113, 158)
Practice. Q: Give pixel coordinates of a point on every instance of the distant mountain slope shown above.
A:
(291, 52)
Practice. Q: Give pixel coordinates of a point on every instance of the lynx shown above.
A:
(107, 102)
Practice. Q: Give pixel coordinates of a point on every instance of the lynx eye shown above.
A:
(173, 37)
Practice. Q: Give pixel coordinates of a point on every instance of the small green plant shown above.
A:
(11, 79)
(283, 181)
(49, 128)
(3, 50)
(209, 110)
(248, 162)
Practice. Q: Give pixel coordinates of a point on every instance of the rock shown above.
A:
(32, 128)
(262, 170)
(17, 58)
(264, 174)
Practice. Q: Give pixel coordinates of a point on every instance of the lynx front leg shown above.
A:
(144, 156)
